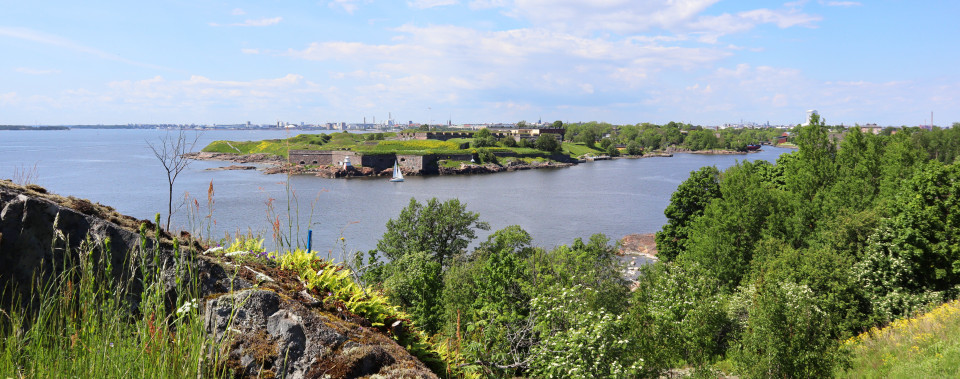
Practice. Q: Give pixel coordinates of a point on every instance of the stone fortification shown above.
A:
(409, 164)
(440, 136)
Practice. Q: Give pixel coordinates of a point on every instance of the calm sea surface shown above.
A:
(117, 168)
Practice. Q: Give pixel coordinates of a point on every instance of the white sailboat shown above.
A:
(397, 175)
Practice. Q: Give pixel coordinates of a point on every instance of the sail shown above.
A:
(397, 175)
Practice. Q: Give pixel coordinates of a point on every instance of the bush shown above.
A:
(786, 333)
(577, 343)
(547, 142)
(486, 156)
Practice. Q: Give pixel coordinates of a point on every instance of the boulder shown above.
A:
(277, 329)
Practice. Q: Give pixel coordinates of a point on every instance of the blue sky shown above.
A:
(705, 62)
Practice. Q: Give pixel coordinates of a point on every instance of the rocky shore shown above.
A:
(237, 158)
(637, 250)
(274, 325)
(490, 168)
(711, 152)
(276, 165)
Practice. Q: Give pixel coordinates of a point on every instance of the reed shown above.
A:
(83, 323)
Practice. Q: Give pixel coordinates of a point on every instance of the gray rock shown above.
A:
(266, 332)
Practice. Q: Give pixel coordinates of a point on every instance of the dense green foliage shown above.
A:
(506, 306)
(650, 137)
(764, 268)
(834, 238)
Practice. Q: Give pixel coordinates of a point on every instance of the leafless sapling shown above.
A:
(171, 151)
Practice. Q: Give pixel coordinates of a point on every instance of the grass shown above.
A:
(575, 149)
(452, 163)
(80, 324)
(416, 147)
(358, 143)
(927, 345)
(275, 147)
(83, 325)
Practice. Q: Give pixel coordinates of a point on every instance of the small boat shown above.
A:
(397, 175)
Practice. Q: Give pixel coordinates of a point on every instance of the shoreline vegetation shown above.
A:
(838, 260)
(475, 152)
(39, 128)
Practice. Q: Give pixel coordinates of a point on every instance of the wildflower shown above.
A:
(213, 250)
(190, 305)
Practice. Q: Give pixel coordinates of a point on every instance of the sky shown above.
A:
(706, 62)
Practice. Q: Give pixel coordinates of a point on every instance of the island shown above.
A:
(451, 152)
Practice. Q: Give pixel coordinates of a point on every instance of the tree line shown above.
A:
(763, 267)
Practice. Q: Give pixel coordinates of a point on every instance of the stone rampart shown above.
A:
(440, 136)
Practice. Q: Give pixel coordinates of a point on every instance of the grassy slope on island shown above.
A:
(361, 144)
(574, 149)
(927, 345)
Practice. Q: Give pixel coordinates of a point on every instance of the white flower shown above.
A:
(190, 305)
(213, 250)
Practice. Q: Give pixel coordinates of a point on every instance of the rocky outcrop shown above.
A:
(273, 326)
(232, 167)
(284, 337)
(489, 168)
(237, 158)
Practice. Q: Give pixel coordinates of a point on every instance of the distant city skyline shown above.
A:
(704, 62)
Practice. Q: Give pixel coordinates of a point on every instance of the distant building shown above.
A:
(871, 129)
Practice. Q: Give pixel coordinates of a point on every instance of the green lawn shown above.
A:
(276, 147)
(577, 149)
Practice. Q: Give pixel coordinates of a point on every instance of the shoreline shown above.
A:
(274, 164)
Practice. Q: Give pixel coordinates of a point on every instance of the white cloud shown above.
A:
(238, 12)
(459, 66)
(8, 98)
(349, 6)
(762, 93)
(486, 4)
(258, 22)
(197, 97)
(66, 44)
(841, 3)
(629, 17)
(34, 71)
(783, 19)
(519, 57)
(424, 4)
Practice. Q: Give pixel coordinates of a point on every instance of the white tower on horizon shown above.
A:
(810, 114)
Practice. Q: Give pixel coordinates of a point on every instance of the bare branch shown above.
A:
(170, 152)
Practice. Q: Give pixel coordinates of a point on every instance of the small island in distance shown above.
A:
(447, 151)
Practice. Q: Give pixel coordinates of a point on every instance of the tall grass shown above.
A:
(927, 346)
(24, 175)
(82, 323)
